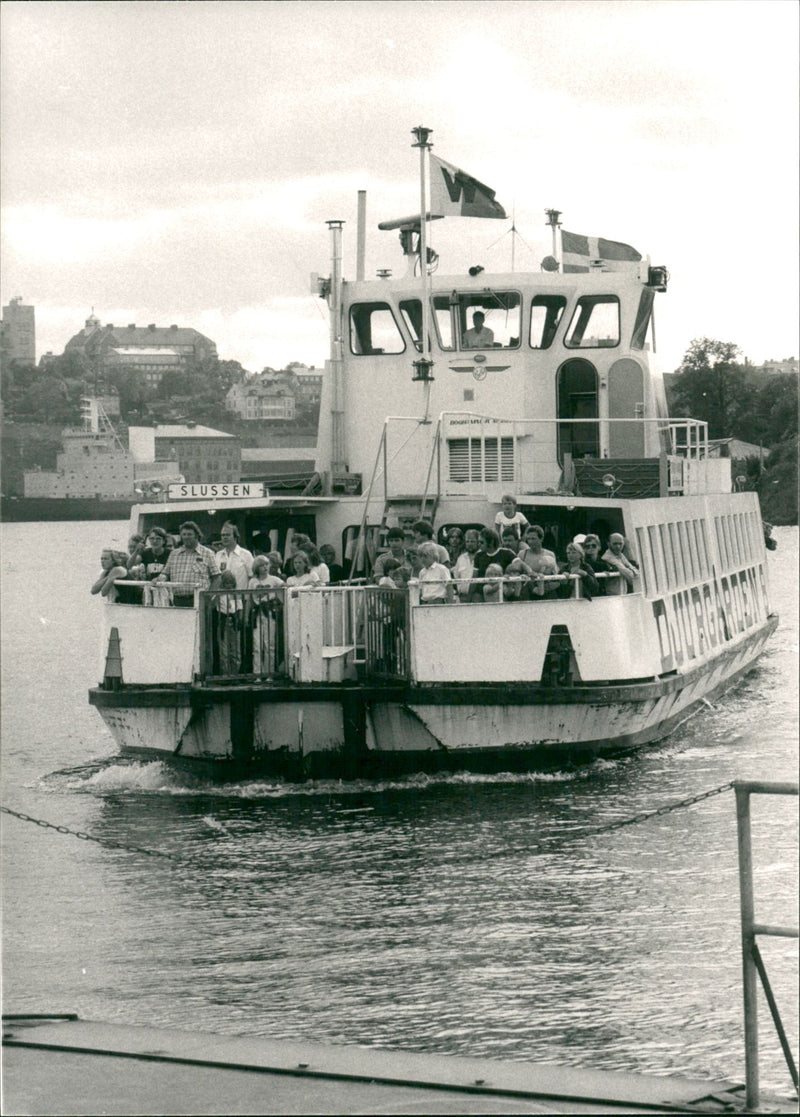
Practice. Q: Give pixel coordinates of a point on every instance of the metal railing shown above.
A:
(682, 438)
(525, 587)
(242, 633)
(386, 630)
(752, 963)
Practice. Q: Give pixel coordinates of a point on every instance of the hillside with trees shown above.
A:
(713, 384)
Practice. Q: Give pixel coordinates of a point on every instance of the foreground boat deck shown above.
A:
(69, 1066)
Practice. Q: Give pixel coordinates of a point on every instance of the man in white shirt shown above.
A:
(233, 557)
(464, 566)
(480, 336)
(435, 583)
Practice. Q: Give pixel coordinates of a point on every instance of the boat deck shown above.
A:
(69, 1066)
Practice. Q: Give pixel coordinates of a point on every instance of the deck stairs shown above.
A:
(408, 508)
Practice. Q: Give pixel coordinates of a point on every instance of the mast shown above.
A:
(552, 220)
(338, 464)
(423, 366)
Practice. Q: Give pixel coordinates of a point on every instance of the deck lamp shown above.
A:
(658, 277)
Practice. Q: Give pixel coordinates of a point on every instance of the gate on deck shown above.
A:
(386, 631)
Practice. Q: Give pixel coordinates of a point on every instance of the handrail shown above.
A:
(434, 457)
(752, 963)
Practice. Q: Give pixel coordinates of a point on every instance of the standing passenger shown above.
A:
(191, 564)
(232, 556)
(464, 567)
(435, 583)
(112, 567)
(423, 533)
(617, 561)
(509, 517)
(329, 558)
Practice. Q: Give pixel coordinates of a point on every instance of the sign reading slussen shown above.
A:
(217, 491)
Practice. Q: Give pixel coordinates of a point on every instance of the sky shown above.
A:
(175, 162)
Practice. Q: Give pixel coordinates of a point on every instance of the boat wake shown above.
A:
(156, 778)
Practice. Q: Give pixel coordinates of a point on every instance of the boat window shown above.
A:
(733, 546)
(646, 556)
(595, 323)
(658, 559)
(546, 312)
(443, 321)
(736, 541)
(643, 316)
(702, 545)
(677, 550)
(721, 548)
(373, 330)
(741, 536)
(669, 559)
(411, 310)
(499, 326)
(689, 556)
(741, 520)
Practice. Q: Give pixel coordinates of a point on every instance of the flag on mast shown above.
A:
(454, 193)
(578, 251)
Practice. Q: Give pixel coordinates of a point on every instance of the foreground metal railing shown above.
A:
(752, 963)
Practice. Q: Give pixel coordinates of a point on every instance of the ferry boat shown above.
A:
(564, 408)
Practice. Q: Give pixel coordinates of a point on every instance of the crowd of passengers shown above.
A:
(504, 562)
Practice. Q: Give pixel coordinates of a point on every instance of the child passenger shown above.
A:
(509, 517)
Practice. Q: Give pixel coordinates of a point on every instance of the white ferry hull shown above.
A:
(377, 731)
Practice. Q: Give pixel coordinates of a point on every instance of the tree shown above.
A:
(711, 385)
(777, 488)
(776, 409)
(47, 401)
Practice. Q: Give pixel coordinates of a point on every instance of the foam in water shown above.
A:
(154, 776)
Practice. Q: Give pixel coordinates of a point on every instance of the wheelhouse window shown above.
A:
(488, 320)
(444, 321)
(373, 330)
(595, 323)
(546, 312)
(643, 316)
(411, 310)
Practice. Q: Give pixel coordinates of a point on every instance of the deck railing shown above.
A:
(752, 963)
(242, 633)
(387, 653)
(258, 634)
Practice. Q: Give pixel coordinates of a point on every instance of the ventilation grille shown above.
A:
(481, 459)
